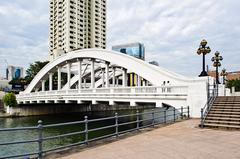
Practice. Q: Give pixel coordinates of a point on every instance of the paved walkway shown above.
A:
(181, 140)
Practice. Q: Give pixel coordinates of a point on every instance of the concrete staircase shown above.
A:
(225, 113)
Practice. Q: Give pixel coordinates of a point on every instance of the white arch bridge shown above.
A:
(96, 75)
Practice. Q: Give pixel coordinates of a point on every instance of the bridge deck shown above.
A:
(180, 140)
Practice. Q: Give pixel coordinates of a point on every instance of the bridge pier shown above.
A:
(94, 102)
(111, 102)
(133, 103)
(40, 101)
(80, 101)
(26, 102)
(71, 101)
(59, 101)
(50, 101)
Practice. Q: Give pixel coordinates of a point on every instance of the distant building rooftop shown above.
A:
(231, 75)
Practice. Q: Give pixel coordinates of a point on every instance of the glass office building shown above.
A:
(134, 49)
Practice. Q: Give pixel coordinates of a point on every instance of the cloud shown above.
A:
(23, 32)
(170, 29)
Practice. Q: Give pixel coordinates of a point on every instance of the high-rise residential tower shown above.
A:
(77, 24)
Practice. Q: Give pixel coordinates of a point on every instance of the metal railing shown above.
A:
(153, 117)
(213, 93)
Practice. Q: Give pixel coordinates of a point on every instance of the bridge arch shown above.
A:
(153, 74)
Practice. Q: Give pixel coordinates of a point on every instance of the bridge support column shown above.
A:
(144, 83)
(50, 81)
(79, 101)
(85, 82)
(133, 103)
(114, 78)
(80, 74)
(124, 77)
(92, 74)
(117, 81)
(103, 78)
(59, 78)
(111, 102)
(43, 85)
(107, 74)
(138, 81)
(68, 75)
(94, 102)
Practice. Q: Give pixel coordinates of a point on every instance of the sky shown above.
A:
(171, 31)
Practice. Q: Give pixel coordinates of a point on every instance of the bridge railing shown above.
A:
(111, 90)
(207, 107)
(136, 120)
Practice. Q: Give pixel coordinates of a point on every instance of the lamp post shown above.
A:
(216, 63)
(203, 49)
(224, 74)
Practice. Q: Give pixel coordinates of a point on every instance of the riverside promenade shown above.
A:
(180, 140)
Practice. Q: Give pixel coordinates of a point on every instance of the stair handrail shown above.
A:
(207, 107)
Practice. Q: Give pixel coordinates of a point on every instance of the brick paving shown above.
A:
(183, 140)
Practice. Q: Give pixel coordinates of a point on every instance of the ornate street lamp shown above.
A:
(203, 49)
(216, 63)
(224, 74)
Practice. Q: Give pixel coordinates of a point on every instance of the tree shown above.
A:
(10, 99)
(34, 69)
(234, 83)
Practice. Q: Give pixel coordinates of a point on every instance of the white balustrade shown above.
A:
(103, 90)
(122, 90)
(72, 91)
(87, 91)
(113, 92)
(61, 92)
(51, 92)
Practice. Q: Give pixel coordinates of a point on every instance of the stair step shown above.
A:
(224, 115)
(226, 106)
(222, 125)
(234, 104)
(225, 109)
(223, 122)
(223, 118)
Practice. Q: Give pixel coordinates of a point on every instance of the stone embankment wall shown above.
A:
(1, 101)
(1, 106)
(45, 109)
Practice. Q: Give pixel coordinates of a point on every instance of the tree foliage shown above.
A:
(234, 83)
(10, 99)
(34, 68)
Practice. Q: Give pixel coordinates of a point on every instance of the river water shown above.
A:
(62, 118)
